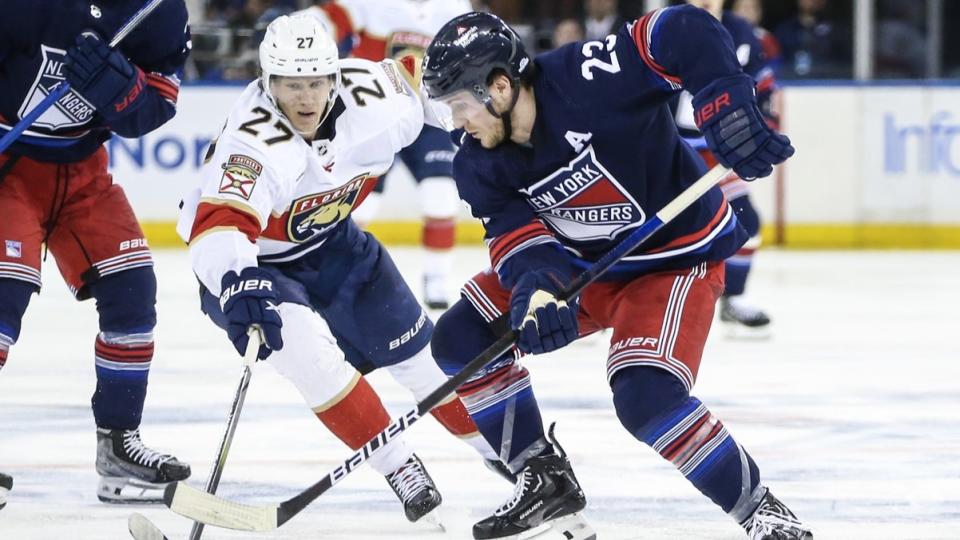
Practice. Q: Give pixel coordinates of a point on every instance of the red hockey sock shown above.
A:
(454, 417)
(357, 417)
(438, 234)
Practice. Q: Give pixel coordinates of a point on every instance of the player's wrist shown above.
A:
(722, 97)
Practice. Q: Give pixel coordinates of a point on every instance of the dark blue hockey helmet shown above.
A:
(467, 50)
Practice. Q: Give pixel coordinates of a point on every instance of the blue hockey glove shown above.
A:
(545, 322)
(727, 114)
(251, 299)
(103, 76)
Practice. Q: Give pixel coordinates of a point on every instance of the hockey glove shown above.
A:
(545, 322)
(251, 299)
(727, 114)
(103, 76)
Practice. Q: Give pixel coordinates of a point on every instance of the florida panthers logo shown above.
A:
(583, 201)
(316, 214)
(69, 111)
(401, 44)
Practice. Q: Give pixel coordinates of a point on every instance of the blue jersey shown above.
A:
(753, 59)
(605, 155)
(34, 38)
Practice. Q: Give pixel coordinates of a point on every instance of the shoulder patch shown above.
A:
(408, 67)
(240, 175)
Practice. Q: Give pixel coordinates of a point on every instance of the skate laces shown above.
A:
(519, 490)
(771, 517)
(409, 479)
(139, 452)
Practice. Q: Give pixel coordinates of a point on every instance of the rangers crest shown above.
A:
(240, 174)
(583, 201)
(69, 111)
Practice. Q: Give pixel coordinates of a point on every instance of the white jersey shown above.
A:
(268, 194)
(395, 28)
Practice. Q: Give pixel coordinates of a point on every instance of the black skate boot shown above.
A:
(416, 491)
(772, 520)
(6, 484)
(546, 492)
(130, 472)
(743, 320)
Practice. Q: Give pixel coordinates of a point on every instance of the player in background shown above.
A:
(336, 21)
(396, 29)
(272, 242)
(55, 191)
(744, 319)
(560, 156)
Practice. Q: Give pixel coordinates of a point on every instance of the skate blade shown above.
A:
(432, 519)
(570, 527)
(739, 332)
(142, 528)
(122, 490)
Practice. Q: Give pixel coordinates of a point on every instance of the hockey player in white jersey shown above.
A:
(273, 244)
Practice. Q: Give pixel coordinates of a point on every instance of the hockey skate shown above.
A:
(6, 484)
(546, 494)
(435, 292)
(416, 491)
(742, 320)
(130, 472)
(772, 520)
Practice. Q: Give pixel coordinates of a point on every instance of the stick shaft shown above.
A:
(233, 418)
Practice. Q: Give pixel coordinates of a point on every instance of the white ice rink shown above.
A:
(852, 411)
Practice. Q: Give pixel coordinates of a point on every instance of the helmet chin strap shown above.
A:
(505, 115)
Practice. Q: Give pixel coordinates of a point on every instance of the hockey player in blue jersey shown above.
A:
(55, 191)
(742, 318)
(560, 156)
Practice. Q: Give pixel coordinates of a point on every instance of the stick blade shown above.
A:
(142, 528)
(212, 510)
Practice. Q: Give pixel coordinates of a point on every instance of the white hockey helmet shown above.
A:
(298, 46)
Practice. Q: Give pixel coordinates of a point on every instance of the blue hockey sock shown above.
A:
(124, 346)
(123, 366)
(737, 269)
(16, 296)
(503, 406)
(656, 408)
(499, 398)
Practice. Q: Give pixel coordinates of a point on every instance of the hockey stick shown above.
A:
(212, 510)
(142, 528)
(63, 87)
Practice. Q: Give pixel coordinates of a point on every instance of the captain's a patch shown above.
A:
(240, 174)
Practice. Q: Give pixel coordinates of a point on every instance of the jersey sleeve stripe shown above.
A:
(765, 80)
(642, 34)
(504, 246)
(211, 216)
(167, 86)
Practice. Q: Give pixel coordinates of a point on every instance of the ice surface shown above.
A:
(851, 411)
